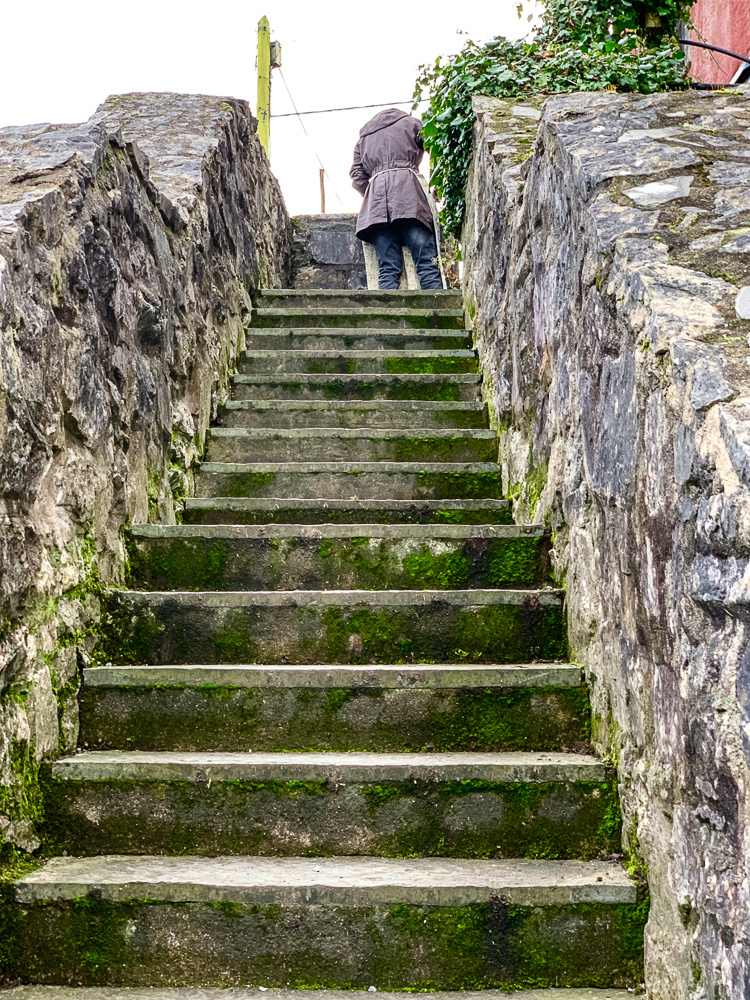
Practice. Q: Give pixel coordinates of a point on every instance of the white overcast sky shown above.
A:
(60, 60)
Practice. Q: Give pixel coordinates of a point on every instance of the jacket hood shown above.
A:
(382, 120)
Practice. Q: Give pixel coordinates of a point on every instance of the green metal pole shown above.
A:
(264, 83)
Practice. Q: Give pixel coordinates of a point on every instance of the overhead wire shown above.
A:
(307, 134)
(354, 107)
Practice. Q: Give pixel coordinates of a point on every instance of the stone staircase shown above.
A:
(338, 744)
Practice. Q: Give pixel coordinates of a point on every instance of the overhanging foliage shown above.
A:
(627, 45)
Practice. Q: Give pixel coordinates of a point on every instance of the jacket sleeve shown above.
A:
(358, 174)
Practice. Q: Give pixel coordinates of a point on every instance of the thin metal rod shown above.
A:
(322, 192)
(354, 107)
(715, 48)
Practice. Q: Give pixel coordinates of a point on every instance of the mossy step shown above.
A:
(383, 708)
(111, 993)
(386, 413)
(326, 922)
(444, 388)
(314, 626)
(351, 362)
(358, 298)
(335, 444)
(414, 481)
(468, 805)
(337, 556)
(326, 338)
(230, 510)
(385, 317)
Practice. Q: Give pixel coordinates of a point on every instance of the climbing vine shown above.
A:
(628, 45)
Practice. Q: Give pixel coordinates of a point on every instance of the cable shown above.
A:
(715, 48)
(322, 165)
(355, 107)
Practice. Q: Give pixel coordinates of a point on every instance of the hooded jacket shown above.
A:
(388, 142)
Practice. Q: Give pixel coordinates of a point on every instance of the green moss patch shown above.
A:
(337, 719)
(142, 943)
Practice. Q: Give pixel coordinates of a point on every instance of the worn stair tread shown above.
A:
(238, 993)
(344, 598)
(352, 881)
(385, 294)
(409, 312)
(410, 468)
(415, 405)
(417, 677)
(353, 433)
(315, 531)
(307, 378)
(428, 333)
(138, 765)
(359, 354)
(374, 507)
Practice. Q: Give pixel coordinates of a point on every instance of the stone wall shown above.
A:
(602, 273)
(327, 253)
(129, 249)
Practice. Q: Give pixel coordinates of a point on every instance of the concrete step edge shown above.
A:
(344, 598)
(384, 433)
(358, 355)
(403, 468)
(306, 378)
(364, 310)
(319, 531)
(377, 506)
(416, 677)
(333, 881)
(343, 768)
(411, 405)
(195, 993)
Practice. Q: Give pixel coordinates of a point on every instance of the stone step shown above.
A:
(443, 388)
(358, 298)
(337, 556)
(386, 413)
(352, 626)
(331, 339)
(465, 805)
(437, 923)
(343, 708)
(414, 481)
(358, 317)
(349, 362)
(230, 510)
(334, 444)
(165, 993)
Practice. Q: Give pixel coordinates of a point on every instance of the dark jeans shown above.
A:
(388, 239)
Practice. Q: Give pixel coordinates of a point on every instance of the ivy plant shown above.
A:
(627, 45)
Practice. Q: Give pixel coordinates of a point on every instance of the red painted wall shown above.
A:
(719, 22)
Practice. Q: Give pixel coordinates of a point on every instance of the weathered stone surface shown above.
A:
(326, 921)
(103, 993)
(617, 367)
(396, 708)
(475, 805)
(326, 253)
(129, 246)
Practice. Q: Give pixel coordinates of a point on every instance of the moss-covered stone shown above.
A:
(414, 818)
(325, 512)
(93, 942)
(331, 563)
(337, 719)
